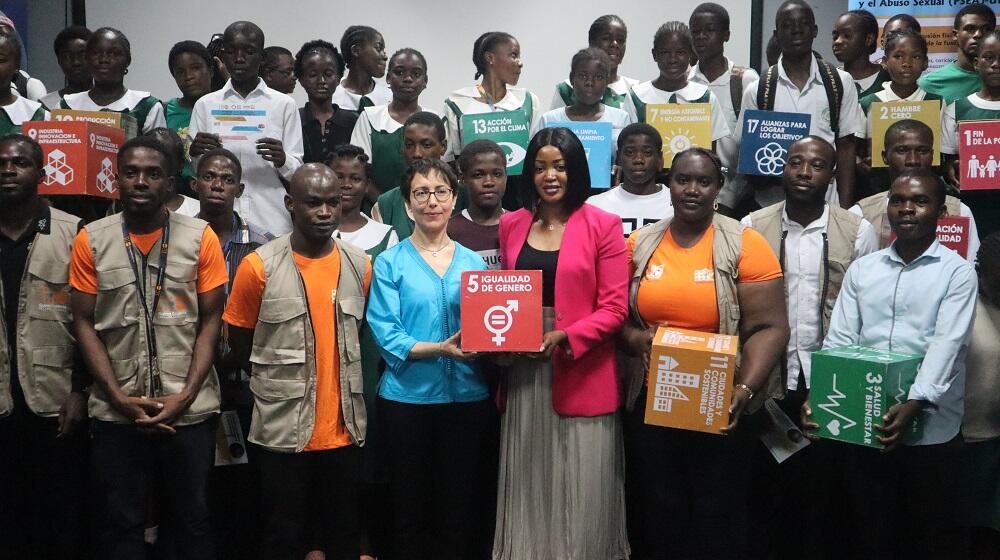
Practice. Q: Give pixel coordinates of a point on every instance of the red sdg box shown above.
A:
(502, 311)
(80, 157)
(979, 155)
(952, 232)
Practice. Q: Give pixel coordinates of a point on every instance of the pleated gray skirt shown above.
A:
(560, 494)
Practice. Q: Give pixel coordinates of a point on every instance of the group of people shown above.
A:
(308, 283)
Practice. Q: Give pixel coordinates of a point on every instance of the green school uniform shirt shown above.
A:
(951, 82)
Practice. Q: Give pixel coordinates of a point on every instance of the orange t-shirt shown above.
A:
(678, 287)
(321, 277)
(212, 271)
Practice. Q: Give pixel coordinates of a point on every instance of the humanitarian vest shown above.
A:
(121, 323)
(640, 105)
(45, 343)
(873, 209)
(726, 250)
(283, 358)
(838, 251)
(610, 98)
(834, 86)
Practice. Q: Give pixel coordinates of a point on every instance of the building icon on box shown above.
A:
(106, 177)
(669, 383)
(57, 170)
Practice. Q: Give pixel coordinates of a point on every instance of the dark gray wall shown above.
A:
(46, 18)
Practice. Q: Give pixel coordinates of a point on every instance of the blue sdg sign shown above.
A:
(597, 138)
(766, 138)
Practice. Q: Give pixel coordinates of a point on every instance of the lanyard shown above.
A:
(156, 385)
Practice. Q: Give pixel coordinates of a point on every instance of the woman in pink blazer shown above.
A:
(561, 468)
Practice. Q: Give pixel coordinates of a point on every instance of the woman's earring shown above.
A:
(715, 205)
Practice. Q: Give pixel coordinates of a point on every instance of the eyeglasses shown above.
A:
(442, 194)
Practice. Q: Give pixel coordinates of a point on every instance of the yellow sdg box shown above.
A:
(107, 118)
(690, 380)
(883, 114)
(682, 126)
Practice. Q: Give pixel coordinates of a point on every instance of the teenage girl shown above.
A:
(609, 34)
(363, 49)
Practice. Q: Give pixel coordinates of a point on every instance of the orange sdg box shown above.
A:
(690, 380)
(80, 157)
(502, 310)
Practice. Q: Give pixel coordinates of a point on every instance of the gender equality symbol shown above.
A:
(499, 319)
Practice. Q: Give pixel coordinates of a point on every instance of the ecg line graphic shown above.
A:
(834, 402)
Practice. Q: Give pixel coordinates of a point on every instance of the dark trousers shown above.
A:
(310, 502)
(865, 503)
(127, 463)
(686, 491)
(436, 457)
(234, 496)
(43, 488)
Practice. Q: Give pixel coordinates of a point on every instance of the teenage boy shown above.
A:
(709, 25)
(277, 69)
(913, 297)
(639, 200)
(71, 54)
(234, 488)
(909, 144)
(294, 317)
(483, 167)
(960, 78)
(423, 138)
(159, 278)
(801, 82)
(267, 157)
(43, 401)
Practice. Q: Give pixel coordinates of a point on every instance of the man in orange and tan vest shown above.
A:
(294, 313)
(42, 380)
(148, 289)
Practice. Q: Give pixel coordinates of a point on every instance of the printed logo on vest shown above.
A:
(704, 275)
(655, 272)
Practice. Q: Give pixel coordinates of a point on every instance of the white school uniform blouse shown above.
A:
(692, 92)
(468, 104)
(345, 99)
(155, 119)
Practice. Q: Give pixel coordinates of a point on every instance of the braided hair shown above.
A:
(349, 152)
(601, 25)
(353, 36)
(675, 27)
(704, 152)
(869, 26)
(484, 44)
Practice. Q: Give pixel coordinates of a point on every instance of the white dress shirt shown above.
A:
(926, 307)
(735, 188)
(803, 284)
(263, 201)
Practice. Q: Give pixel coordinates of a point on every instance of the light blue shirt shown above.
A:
(410, 303)
(926, 307)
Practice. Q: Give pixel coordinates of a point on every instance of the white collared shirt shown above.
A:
(885, 96)
(692, 92)
(949, 123)
(620, 87)
(466, 99)
(263, 200)
(734, 189)
(810, 100)
(926, 307)
(346, 99)
(22, 109)
(155, 119)
(804, 283)
(374, 118)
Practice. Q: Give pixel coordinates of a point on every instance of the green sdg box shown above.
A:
(854, 386)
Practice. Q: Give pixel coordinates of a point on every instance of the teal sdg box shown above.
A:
(854, 386)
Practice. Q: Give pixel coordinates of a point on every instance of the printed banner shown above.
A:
(883, 114)
(509, 129)
(936, 17)
(682, 126)
(979, 155)
(597, 138)
(502, 311)
(766, 137)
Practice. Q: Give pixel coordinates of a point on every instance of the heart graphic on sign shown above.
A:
(834, 427)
